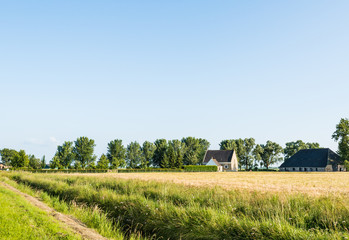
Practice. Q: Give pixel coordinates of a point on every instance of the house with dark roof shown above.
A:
(313, 160)
(225, 160)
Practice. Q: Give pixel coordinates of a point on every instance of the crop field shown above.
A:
(245, 205)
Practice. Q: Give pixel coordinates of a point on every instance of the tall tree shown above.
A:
(103, 162)
(243, 149)
(20, 160)
(271, 153)
(195, 149)
(257, 155)
(148, 150)
(55, 163)
(177, 150)
(83, 151)
(134, 156)
(43, 162)
(64, 154)
(160, 152)
(7, 155)
(116, 154)
(293, 147)
(34, 163)
(341, 135)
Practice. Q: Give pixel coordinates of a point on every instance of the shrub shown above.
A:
(200, 168)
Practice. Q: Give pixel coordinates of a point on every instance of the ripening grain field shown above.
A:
(244, 205)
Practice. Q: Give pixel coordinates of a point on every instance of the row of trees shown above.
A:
(161, 153)
(20, 159)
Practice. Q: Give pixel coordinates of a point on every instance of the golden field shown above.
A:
(323, 183)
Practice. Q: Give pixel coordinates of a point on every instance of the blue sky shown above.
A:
(142, 70)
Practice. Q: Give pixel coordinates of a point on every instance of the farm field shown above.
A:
(315, 183)
(201, 206)
(21, 220)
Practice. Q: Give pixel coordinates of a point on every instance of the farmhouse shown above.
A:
(224, 159)
(3, 166)
(313, 160)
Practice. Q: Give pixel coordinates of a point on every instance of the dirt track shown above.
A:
(72, 223)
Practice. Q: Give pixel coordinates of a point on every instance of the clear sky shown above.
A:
(142, 70)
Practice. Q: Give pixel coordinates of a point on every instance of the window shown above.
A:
(226, 166)
(294, 169)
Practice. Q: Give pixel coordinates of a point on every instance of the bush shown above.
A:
(129, 170)
(200, 168)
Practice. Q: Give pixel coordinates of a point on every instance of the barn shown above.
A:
(225, 160)
(313, 160)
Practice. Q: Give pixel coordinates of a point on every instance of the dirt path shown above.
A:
(74, 224)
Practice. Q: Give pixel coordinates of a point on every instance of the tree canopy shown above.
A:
(341, 135)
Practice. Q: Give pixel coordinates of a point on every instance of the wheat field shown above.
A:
(324, 183)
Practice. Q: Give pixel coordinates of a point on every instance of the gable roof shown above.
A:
(218, 155)
(320, 157)
(215, 161)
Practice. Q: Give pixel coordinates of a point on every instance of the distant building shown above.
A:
(313, 160)
(225, 160)
(3, 166)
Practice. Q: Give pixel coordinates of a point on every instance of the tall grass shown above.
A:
(171, 211)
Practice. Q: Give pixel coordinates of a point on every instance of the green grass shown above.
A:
(171, 211)
(21, 220)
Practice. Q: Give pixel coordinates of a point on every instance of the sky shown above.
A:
(143, 70)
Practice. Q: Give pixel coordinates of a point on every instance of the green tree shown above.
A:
(64, 154)
(160, 158)
(134, 155)
(103, 162)
(20, 160)
(7, 155)
(116, 154)
(293, 147)
(34, 163)
(243, 149)
(195, 149)
(271, 153)
(43, 162)
(257, 155)
(176, 153)
(55, 163)
(148, 150)
(83, 151)
(341, 135)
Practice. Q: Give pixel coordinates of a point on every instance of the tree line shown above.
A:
(164, 153)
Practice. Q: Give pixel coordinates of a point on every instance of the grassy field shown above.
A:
(209, 205)
(20, 220)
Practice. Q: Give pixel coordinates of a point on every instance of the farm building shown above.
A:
(3, 166)
(225, 160)
(313, 160)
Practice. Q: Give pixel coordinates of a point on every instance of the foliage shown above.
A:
(64, 155)
(346, 165)
(293, 147)
(103, 162)
(195, 149)
(43, 162)
(116, 154)
(83, 151)
(341, 135)
(200, 168)
(271, 153)
(148, 150)
(160, 153)
(34, 163)
(7, 155)
(20, 160)
(134, 156)
(243, 148)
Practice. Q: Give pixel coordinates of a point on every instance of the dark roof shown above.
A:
(320, 157)
(219, 155)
